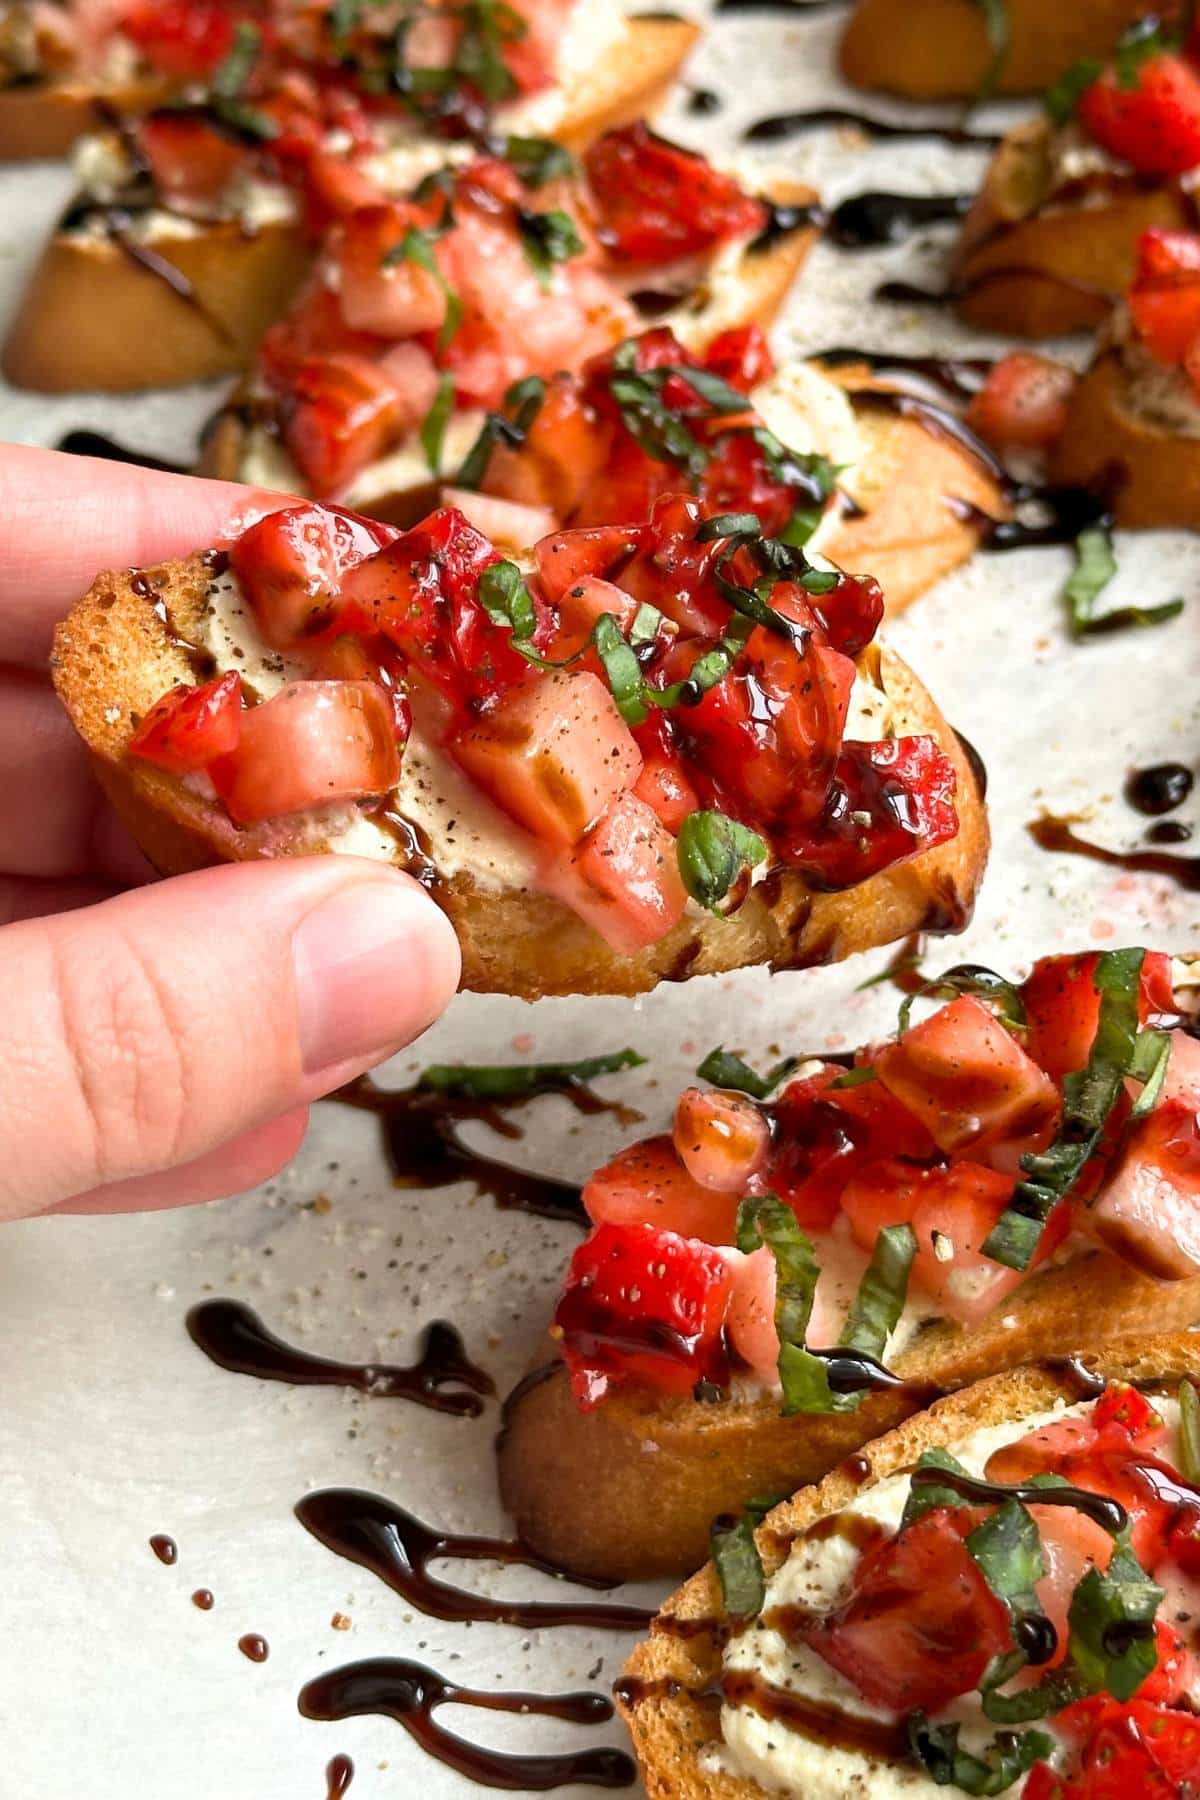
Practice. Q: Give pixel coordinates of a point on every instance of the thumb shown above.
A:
(143, 1033)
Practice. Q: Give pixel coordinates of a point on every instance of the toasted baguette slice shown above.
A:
(239, 441)
(98, 315)
(1151, 469)
(120, 650)
(663, 1698)
(44, 118)
(939, 49)
(1026, 266)
(630, 1489)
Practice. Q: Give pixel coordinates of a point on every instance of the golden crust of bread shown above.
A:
(1152, 471)
(629, 1490)
(669, 1723)
(764, 278)
(1029, 268)
(93, 317)
(939, 49)
(115, 655)
(45, 118)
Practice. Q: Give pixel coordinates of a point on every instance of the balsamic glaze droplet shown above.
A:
(878, 216)
(339, 1773)
(378, 1535)
(1159, 788)
(203, 1599)
(1169, 831)
(165, 1548)
(704, 101)
(253, 1647)
(233, 1336)
(410, 1693)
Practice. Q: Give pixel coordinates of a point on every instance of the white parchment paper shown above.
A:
(113, 1427)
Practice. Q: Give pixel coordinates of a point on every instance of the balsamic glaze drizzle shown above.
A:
(1159, 788)
(410, 1693)
(1050, 833)
(443, 1378)
(779, 126)
(339, 1773)
(1109, 1514)
(961, 377)
(378, 1535)
(878, 217)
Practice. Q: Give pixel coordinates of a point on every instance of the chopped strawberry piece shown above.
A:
(921, 1624)
(665, 789)
(1153, 124)
(1164, 300)
(1133, 1748)
(722, 1139)
(887, 801)
(1024, 403)
(186, 38)
(1062, 1006)
(566, 558)
(851, 612)
(190, 726)
(342, 412)
(317, 743)
(750, 1326)
(824, 1135)
(968, 1079)
(381, 291)
(291, 563)
(1148, 1211)
(647, 1184)
(623, 879)
(191, 160)
(644, 1305)
(741, 356)
(658, 202)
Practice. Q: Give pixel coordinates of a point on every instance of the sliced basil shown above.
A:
(487, 27)
(547, 238)
(881, 1293)
(728, 525)
(713, 852)
(1189, 1432)
(1061, 100)
(852, 1078)
(803, 1376)
(1009, 1756)
(521, 1081)
(229, 82)
(1006, 1547)
(930, 1495)
(433, 426)
(1112, 1619)
(507, 601)
(417, 246)
(1145, 38)
(725, 1070)
(969, 978)
(622, 669)
(522, 404)
(538, 160)
(738, 1565)
(1089, 1096)
(1095, 567)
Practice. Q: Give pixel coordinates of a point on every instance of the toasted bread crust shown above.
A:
(668, 1719)
(1030, 268)
(114, 656)
(1152, 471)
(94, 318)
(629, 1491)
(45, 118)
(939, 49)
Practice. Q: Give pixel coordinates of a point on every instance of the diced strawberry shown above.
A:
(666, 790)
(1024, 403)
(563, 453)
(190, 160)
(741, 356)
(290, 566)
(554, 754)
(1122, 1422)
(582, 605)
(647, 1184)
(643, 1305)
(751, 1326)
(382, 291)
(970, 1081)
(1133, 1748)
(190, 726)
(658, 202)
(1164, 299)
(187, 38)
(341, 413)
(825, 1134)
(315, 744)
(887, 801)
(567, 558)
(1071, 1545)
(623, 879)
(921, 1624)
(851, 612)
(1154, 123)
(722, 1139)
(1062, 1007)
(1148, 1211)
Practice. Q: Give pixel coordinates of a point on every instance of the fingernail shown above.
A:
(375, 965)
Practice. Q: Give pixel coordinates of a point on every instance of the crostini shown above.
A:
(955, 49)
(197, 224)
(1132, 430)
(1051, 241)
(655, 751)
(998, 1597)
(955, 1202)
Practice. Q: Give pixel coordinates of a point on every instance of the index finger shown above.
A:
(65, 518)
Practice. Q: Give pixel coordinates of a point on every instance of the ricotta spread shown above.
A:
(818, 1574)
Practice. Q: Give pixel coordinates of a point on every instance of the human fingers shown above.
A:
(232, 1168)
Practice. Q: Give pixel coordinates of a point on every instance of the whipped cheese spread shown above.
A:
(818, 1574)
(590, 35)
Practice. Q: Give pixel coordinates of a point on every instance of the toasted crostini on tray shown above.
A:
(197, 223)
(998, 1597)
(806, 1254)
(644, 752)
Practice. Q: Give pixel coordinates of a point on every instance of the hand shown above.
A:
(160, 1041)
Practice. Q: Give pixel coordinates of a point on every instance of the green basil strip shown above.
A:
(1009, 1756)
(968, 978)
(486, 27)
(930, 1496)
(713, 852)
(538, 160)
(1189, 1432)
(881, 1293)
(1095, 567)
(1062, 98)
(229, 84)
(1145, 38)
(1112, 1625)
(1151, 1057)
(803, 1376)
(521, 1081)
(433, 426)
(622, 670)
(852, 1078)
(999, 30)
(725, 1070)
(1089, 1096)
(1006, 1547)
(728, 525)
(416, 246)
(522, 402)
(738, 1565)
(507, 601)
(547, 238)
